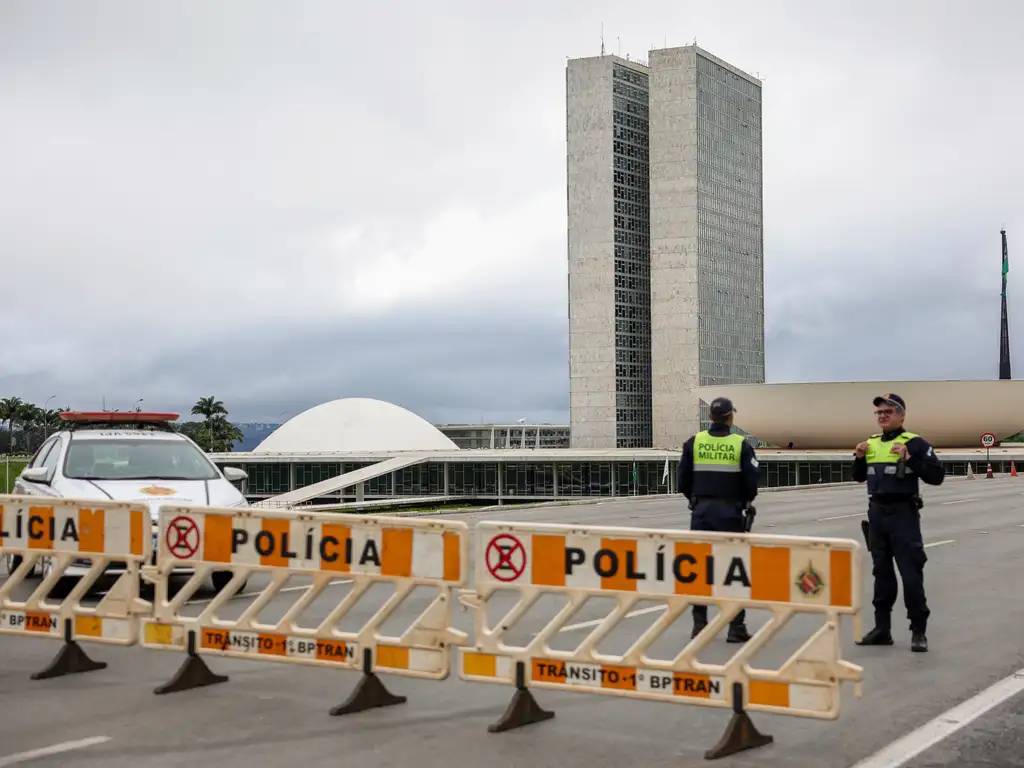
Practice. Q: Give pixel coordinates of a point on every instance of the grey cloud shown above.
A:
(279, 204)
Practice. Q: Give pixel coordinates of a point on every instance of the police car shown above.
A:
(134, 457)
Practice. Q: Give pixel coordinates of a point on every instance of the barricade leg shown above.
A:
(70, 659)
(193, 673)
(369, 692)
(523, 709)
(740, 734)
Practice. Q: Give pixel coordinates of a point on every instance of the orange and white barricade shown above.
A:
(669, 572)
(316, 623)
(74, 546)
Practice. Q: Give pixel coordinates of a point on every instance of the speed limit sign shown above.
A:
(987, 440)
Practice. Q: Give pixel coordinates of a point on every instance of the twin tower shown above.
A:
(666, 261)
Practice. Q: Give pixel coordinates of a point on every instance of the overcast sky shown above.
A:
(280, 203)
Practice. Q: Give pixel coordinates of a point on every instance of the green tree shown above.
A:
(28, 417)
(215, 433)
(225, 434)
(209, 408)
(9, 409)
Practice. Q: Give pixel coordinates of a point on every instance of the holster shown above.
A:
(865, 528)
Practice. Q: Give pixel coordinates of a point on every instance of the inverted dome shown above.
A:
(950, 414)
(355, 424)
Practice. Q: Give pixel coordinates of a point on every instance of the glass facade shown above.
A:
(307, 474)
(473, 479)
(630, 152)
(537, 479)
(729, 227)
(529, 479)
(267, 479)
(420, 480)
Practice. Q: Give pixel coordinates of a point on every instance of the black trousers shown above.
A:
(895, 533)
(717, 515)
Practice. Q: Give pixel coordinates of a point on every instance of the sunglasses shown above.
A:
(885, 412)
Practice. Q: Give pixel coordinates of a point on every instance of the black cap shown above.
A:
(721, 407)
(890, 399)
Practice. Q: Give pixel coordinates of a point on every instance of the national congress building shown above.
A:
(665, 242)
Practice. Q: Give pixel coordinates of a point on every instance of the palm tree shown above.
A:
(50, 420)
(225, 434)
(9, 412)
(28, 416)
(209, 408)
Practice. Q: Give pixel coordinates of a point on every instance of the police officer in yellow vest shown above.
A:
(718, 475)
(892, 463)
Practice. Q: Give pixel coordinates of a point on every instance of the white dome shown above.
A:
(355, 424)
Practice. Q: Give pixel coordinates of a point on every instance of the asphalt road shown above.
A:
(276, 714)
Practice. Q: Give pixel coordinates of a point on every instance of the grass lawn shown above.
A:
(17, 464)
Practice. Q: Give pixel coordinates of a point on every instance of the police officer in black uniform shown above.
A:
(892, 463)
(718, 475)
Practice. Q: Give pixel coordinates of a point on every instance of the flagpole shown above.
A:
(1004, 332)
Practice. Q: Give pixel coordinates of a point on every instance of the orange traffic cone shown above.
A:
(1013, 469)
(988, 472)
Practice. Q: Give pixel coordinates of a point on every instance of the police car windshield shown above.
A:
(128, 459)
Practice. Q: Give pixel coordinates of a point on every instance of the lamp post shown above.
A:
(138, 405)
(46, 417)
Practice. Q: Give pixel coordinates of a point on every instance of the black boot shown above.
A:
(919, 643)
(698, 627)
(737, 634)
(877, 636)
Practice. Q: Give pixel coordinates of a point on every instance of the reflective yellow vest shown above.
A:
(883, 468)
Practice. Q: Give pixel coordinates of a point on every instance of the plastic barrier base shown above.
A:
(369, 693)
(70, 660)
(740, 734)
(523, 709)
(193, 673)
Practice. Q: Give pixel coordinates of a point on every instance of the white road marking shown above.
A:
(56, 749)
(957, 501)
(939, 543)
(630, 615)
(298, 588)
(839, 517)
(946, 724)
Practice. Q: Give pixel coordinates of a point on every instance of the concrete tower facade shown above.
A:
(609, 253)
(665, 242)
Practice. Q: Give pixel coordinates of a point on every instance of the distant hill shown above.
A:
(254, 433)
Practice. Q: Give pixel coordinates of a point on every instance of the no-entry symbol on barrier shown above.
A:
(505, 557)
(182, 537)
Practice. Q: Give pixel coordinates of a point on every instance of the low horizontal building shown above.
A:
(364, 450)
(538, 475)
(476, 436)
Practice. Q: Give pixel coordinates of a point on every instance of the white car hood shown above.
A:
(156, 493)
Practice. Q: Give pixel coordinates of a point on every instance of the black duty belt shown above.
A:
(896, 501)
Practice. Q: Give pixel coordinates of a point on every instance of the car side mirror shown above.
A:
(36, 475)
(234, 474)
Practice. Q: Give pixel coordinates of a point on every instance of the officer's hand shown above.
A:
(900, 450)
(860, 450)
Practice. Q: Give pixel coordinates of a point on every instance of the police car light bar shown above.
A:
(114, 417)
